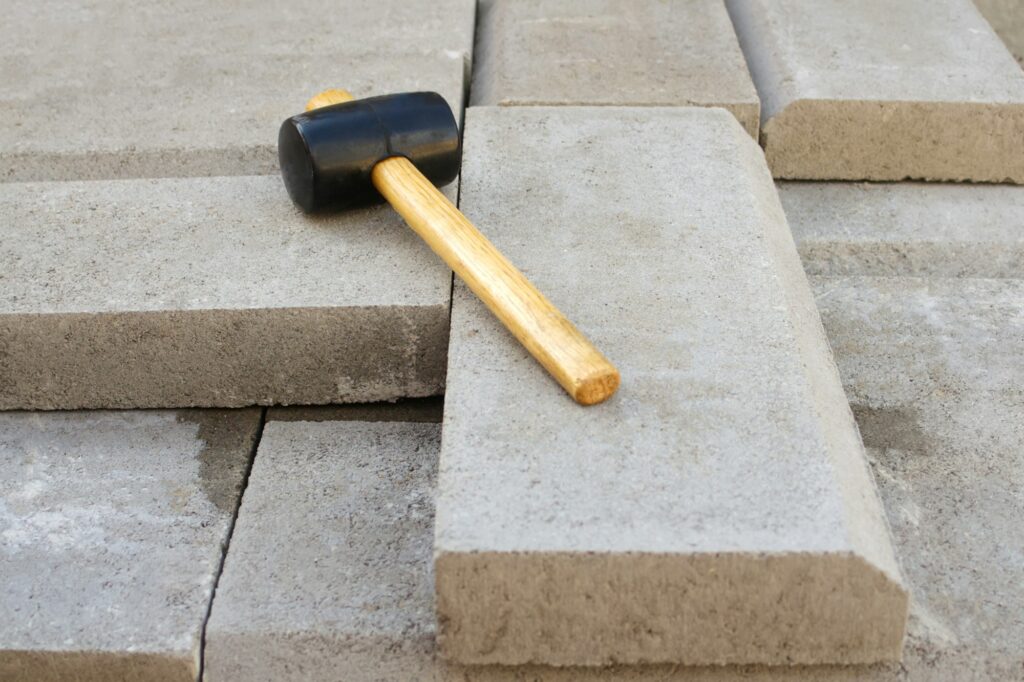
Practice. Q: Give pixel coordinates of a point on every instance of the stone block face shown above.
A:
(877, 90)
(112, 527)
(724, 485)
(910, 229)
(612, 52)
(188, 88)
(211, 292)
(329, 568)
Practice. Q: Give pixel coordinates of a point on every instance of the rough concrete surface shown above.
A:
(111, 533)
(105, 89)
(328, 576)
(933, 369)
(879, 90)
(618, 52)
(1007, 18)
(913, 229)
(211, 292)
(717, 509)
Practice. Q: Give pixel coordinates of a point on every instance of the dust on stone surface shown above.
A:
(227, 437)
(893, 428)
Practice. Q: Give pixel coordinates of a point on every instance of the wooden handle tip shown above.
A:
(597, 387)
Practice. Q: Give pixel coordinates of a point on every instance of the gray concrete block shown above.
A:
(211, 292)
(912, 229)
(619, 52)
(719, 508)
(93, 91)
(112, 526)
(876, 90)
(329, 567)
(1007, 18)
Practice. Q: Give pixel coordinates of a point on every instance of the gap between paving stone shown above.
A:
(227, 539)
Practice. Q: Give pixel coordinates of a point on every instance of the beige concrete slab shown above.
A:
(877, 90)
(906, 228)
(211, 292)
(112, 528)
(108, 89)
(615, 52)
(719, 508)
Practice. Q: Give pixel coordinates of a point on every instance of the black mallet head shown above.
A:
(327, 154)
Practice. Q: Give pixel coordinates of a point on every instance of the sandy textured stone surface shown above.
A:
(104, 89)
(619, 52)
(211, 292)
(111, 533)
(1007, 18)
(328, 576)
(724, 484)
(913, 229)
(878, 90)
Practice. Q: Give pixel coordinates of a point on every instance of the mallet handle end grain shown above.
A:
(544, 331)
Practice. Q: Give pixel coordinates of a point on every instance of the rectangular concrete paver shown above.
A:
(719, 508)
(187, 87)
(211, 292)
(328, 577)
(879, 90)
(112, 526)
(622, 52)
(913, 229)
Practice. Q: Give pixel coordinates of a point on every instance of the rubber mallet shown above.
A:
(347, 152)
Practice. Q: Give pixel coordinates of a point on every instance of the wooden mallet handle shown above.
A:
(544, 331)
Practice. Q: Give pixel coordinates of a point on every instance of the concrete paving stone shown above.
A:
(1007, 18)
(719, 509)
(424, 410)
(933, 369)
(211, 292)
(112, 526)
(328, 576)
(618, 52)
(95, 89)
(877, 90)
(912, 229)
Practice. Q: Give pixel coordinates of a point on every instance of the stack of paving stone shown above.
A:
(720, 518)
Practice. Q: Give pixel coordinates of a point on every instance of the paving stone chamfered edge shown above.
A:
(929, 91)
(542, 552)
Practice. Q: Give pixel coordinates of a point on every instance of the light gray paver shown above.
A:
(1007, 18)
(329, 568)
(111, 533)
(933, 369)
(912, 229)
(96, 90)
(724, 485)
(877, 90)
(619, 52)
(211, 292)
